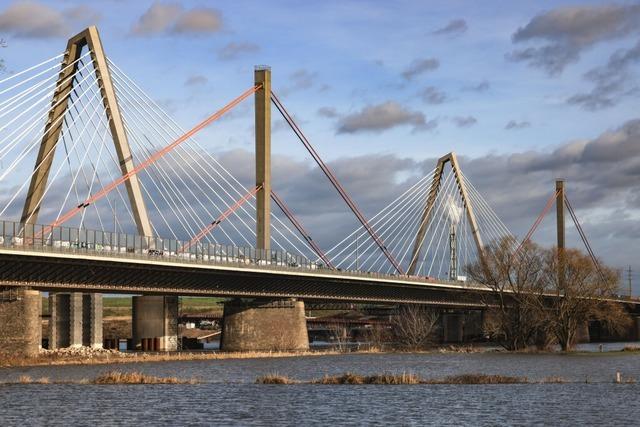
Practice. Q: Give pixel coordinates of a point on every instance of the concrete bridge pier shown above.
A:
(264, 325)
(155, 317)
(462, 326)
(76, 320)
(20, 322)
(634, 333)
(583, 336)
(452, 327)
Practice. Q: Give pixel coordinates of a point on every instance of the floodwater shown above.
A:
(228, 395)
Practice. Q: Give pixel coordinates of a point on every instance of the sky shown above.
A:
(525, 92)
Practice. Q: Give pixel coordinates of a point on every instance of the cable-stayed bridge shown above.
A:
(103, 192)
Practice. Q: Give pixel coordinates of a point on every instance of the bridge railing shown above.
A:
(36, 237)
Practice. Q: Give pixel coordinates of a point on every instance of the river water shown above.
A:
(228, 394)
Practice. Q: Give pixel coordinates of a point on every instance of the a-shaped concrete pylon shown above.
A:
(431, 198)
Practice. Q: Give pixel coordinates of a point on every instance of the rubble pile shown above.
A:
(84, 352)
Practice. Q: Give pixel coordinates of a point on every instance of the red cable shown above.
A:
(537, 222)
(334, 181)
(153, 158)
(301, 229)
(206, 230)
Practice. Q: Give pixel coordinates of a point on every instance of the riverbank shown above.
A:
(89, 356)
(84, 356)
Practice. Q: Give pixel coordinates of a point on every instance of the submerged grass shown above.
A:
(112, 377)
(275, 379)
(403, 379)
(26, 379)
(479, 379)
(116, 377)
(349, 378)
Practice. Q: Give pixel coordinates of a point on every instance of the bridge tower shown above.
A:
(560, 230)
(263, 325)
(262, 78)
(431, 199)
(76, 319)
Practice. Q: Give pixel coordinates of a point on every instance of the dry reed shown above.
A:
(115, 377)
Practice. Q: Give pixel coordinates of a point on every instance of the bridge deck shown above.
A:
(48, 268)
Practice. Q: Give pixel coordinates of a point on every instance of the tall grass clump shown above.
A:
(115, 377)
(275, 379)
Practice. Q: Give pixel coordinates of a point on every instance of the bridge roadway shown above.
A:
(47, 268)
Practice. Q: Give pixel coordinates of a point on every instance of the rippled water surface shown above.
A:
(228, 395)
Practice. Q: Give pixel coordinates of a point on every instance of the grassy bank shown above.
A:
(113, 357)
(86, 356)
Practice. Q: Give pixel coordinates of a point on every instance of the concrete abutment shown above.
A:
(20, 322)
(264, 325)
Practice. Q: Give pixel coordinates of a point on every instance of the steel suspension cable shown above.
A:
(387, 224)
(285, 209)
(583, 236)
(354, 208)
(250, 194)
(537, 221)
(155, 157)
(198, 151)
(380, 216)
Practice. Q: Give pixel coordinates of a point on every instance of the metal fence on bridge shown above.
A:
(60, 239)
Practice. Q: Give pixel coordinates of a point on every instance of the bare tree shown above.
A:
(515, 309)
(340, 333)
(413, 325)
(583, 292)
(378, 336)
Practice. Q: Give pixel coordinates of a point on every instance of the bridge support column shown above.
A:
(155, 317)
(634, 333)
(583, 336)
(92, 320)
(76, 320)
(264, 325)
(452, 326)
(20, 322)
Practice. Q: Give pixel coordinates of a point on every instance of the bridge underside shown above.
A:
(46, 273)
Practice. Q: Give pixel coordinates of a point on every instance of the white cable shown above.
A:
(77, 173)
(20, 158)
(386, 224)
(378, 218)
(277, 219)
(197, 174)
(13, 76)
(32, 174)
(428, 217)
(52, 180)
(431, 225)
(407, 211)
(164, 172)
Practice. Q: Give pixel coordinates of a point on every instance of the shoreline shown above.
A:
(87, 356)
